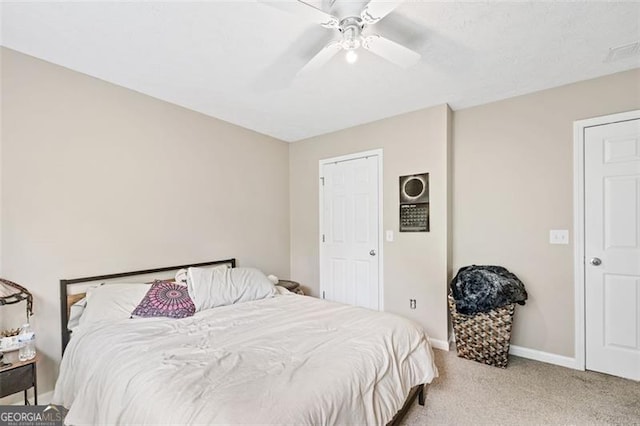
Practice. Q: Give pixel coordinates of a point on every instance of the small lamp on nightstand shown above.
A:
(18, 375)
(12, 293)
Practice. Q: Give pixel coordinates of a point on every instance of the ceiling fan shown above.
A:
(351, 19)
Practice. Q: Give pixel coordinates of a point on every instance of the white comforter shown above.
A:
(287, 359)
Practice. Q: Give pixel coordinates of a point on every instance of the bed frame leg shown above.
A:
(421, 395)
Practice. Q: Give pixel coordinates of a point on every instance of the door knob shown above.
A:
(595, 261)
(372, 253)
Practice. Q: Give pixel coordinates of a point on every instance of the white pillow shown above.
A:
(75, 313)
(109, 302)
(213, 287)
(181, 275)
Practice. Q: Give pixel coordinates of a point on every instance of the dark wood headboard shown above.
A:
(66, 299)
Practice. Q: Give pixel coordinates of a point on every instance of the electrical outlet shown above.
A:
(559, 236)
(412, 303)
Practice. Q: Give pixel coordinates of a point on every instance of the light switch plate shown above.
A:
(389, 235)
(559, 236)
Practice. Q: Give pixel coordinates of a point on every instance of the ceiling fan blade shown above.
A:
(322, 57)
(391, 51)
(281, 73)
(320, 16)
(305, 11)
(375, 10)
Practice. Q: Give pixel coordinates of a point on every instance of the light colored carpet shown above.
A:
(526, 392)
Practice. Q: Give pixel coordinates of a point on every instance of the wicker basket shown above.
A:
(483, 337)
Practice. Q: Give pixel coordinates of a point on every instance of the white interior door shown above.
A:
(612, 248)
(349, 247)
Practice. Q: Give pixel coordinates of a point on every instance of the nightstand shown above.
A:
(20, 376)
(292, 286)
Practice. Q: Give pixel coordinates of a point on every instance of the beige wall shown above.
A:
(415, 264)
(96, 178)
(100, 179)
(513, 177)
(511, 182)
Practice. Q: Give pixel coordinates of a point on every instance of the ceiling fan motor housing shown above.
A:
(351, 29)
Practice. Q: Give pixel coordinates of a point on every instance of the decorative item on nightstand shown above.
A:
(17, 371)
(292, 286)
(12, 293)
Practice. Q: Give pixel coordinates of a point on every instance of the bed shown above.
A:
(286, 359)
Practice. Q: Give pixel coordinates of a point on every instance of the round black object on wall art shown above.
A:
(414, 188)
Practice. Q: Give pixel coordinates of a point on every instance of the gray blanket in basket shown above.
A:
(483, 288)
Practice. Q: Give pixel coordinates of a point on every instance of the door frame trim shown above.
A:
(347, 157)
(579, 128)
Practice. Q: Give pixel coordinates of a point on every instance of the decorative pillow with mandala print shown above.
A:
(165, 299)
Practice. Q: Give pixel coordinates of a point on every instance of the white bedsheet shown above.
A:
(287, 359)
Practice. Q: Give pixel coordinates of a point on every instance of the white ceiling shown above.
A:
(236, 60)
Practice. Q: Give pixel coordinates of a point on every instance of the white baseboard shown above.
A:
(439, 344)
(547, 357)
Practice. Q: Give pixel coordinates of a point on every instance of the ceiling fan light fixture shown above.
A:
(351, 35)
(351, 44)
(351, 56)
